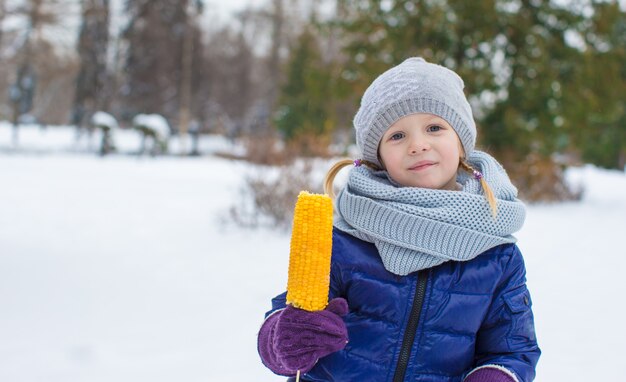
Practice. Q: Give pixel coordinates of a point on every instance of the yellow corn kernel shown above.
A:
(311, 247)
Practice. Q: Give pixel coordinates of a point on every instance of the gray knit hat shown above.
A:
(414, 86)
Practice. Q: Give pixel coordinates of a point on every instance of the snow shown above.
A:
(125, 268)
(154, 122)
(34, 139)
(102, 118)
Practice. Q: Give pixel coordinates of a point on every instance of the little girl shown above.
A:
(426, 282)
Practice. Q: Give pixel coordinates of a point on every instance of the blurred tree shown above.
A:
(600, 115)
(229, 66)
(22, 91)
(2, 17)
(522, 68)
(277, 17)
(3, 69)
(382, 34)
(537, 62)
(528, 124)
(90, 95)
(153, 69)
(273, 26)
(31, 46)
(184, 114)
(304, 106)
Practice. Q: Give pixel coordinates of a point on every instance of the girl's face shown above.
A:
(421, 150)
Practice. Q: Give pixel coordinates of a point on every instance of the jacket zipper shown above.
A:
(411, 327)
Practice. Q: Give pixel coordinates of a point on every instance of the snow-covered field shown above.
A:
(124, 269)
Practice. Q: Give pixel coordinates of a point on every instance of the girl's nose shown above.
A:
(418, 146)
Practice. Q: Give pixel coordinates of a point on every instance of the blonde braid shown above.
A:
(486, 189)
(330, 175)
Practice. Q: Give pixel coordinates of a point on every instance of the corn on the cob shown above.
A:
(311, 247)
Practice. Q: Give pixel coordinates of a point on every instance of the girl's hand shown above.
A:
(294, 339)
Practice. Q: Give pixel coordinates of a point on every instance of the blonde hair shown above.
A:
(330, 175)
(330, 178)
(486, 189)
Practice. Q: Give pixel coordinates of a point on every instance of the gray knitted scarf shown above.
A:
(418, 228)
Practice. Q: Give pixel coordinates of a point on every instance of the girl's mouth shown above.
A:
(421, 165)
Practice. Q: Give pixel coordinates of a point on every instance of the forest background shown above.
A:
(546, 79)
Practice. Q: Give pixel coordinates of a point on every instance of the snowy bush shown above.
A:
(155, 130)
(107, 123)
(104, 121)
(153, 123)
(269, 195)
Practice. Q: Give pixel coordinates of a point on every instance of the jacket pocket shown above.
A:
(521, 331)
(518, 300)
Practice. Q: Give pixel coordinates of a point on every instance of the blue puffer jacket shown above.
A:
(433, 325)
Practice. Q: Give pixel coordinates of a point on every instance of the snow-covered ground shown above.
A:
(123, 269)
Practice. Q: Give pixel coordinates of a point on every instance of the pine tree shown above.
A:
(306, 98)
(600, 115)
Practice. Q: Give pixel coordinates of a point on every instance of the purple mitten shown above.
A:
(490, 374)
(294, 339)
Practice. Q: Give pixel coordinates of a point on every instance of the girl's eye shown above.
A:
(434, 128)
(396, 136)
